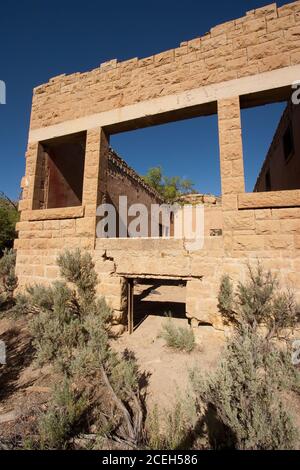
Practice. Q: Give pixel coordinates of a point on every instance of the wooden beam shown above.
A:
(130, 305)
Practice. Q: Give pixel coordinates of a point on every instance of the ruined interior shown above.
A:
(281, 167)
(61, 173)
(70, 168)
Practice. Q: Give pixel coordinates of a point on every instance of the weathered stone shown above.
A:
(260, 48)
(269, 199)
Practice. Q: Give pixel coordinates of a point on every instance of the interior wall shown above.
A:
(64, 172)
(65, 178)
(284, 173)
(124, 181)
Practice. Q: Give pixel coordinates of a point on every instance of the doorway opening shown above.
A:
(156, 297)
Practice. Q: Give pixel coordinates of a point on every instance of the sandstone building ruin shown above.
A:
(281, 168)
(246, 62)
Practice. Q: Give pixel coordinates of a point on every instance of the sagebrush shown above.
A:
(178, 337)
(172, 428)
(8, 278)
(242, 400)
(72, 332)
(258, 302)
(59, 423)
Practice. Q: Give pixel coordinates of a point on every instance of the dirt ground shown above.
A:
(169, 370)
(24, 386)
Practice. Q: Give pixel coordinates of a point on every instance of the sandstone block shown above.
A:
(255, 25)
(233, 185)
(267, 226)
(279, 241)
(248, 242)
(269, 199)
(229, 202)
(239, 220)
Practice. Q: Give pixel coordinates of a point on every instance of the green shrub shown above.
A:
(59, 423)
(78, 268)
(8, 278)
(154, 437)
(258, 302)
(8, 218)
(180, 338)
(20, 306)
(243, 405)
(170, 188)
(71, 331)
(171, 429)
(56, 330)
(244, 396)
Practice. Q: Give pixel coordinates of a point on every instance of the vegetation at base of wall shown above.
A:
(258, 302)
(170, 188)
(242, 401)
(12, 304)
(243, 404)
(178, 337)
(72, 332)
(9, 216)
(8, 278)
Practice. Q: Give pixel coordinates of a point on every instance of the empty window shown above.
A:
(175, 162)
(61, 165)
(269, 141)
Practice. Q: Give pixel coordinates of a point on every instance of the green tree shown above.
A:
(8, 219)
(170, 188)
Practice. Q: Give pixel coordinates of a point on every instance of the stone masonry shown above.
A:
(281, 167)
(244, 62)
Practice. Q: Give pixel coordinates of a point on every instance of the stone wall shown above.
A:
(248, 60)
(265, 39)
(123, 180)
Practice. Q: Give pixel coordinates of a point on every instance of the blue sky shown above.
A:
(40, 39)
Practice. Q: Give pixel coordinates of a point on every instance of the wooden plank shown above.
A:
(130, 306)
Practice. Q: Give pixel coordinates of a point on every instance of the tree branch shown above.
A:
(121, 406)
(13, 204)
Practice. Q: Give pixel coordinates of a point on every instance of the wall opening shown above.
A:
(271, 145)
(61, 164)
(175, 162)
(155, 297)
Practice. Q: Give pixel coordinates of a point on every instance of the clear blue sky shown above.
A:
(40, 39)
